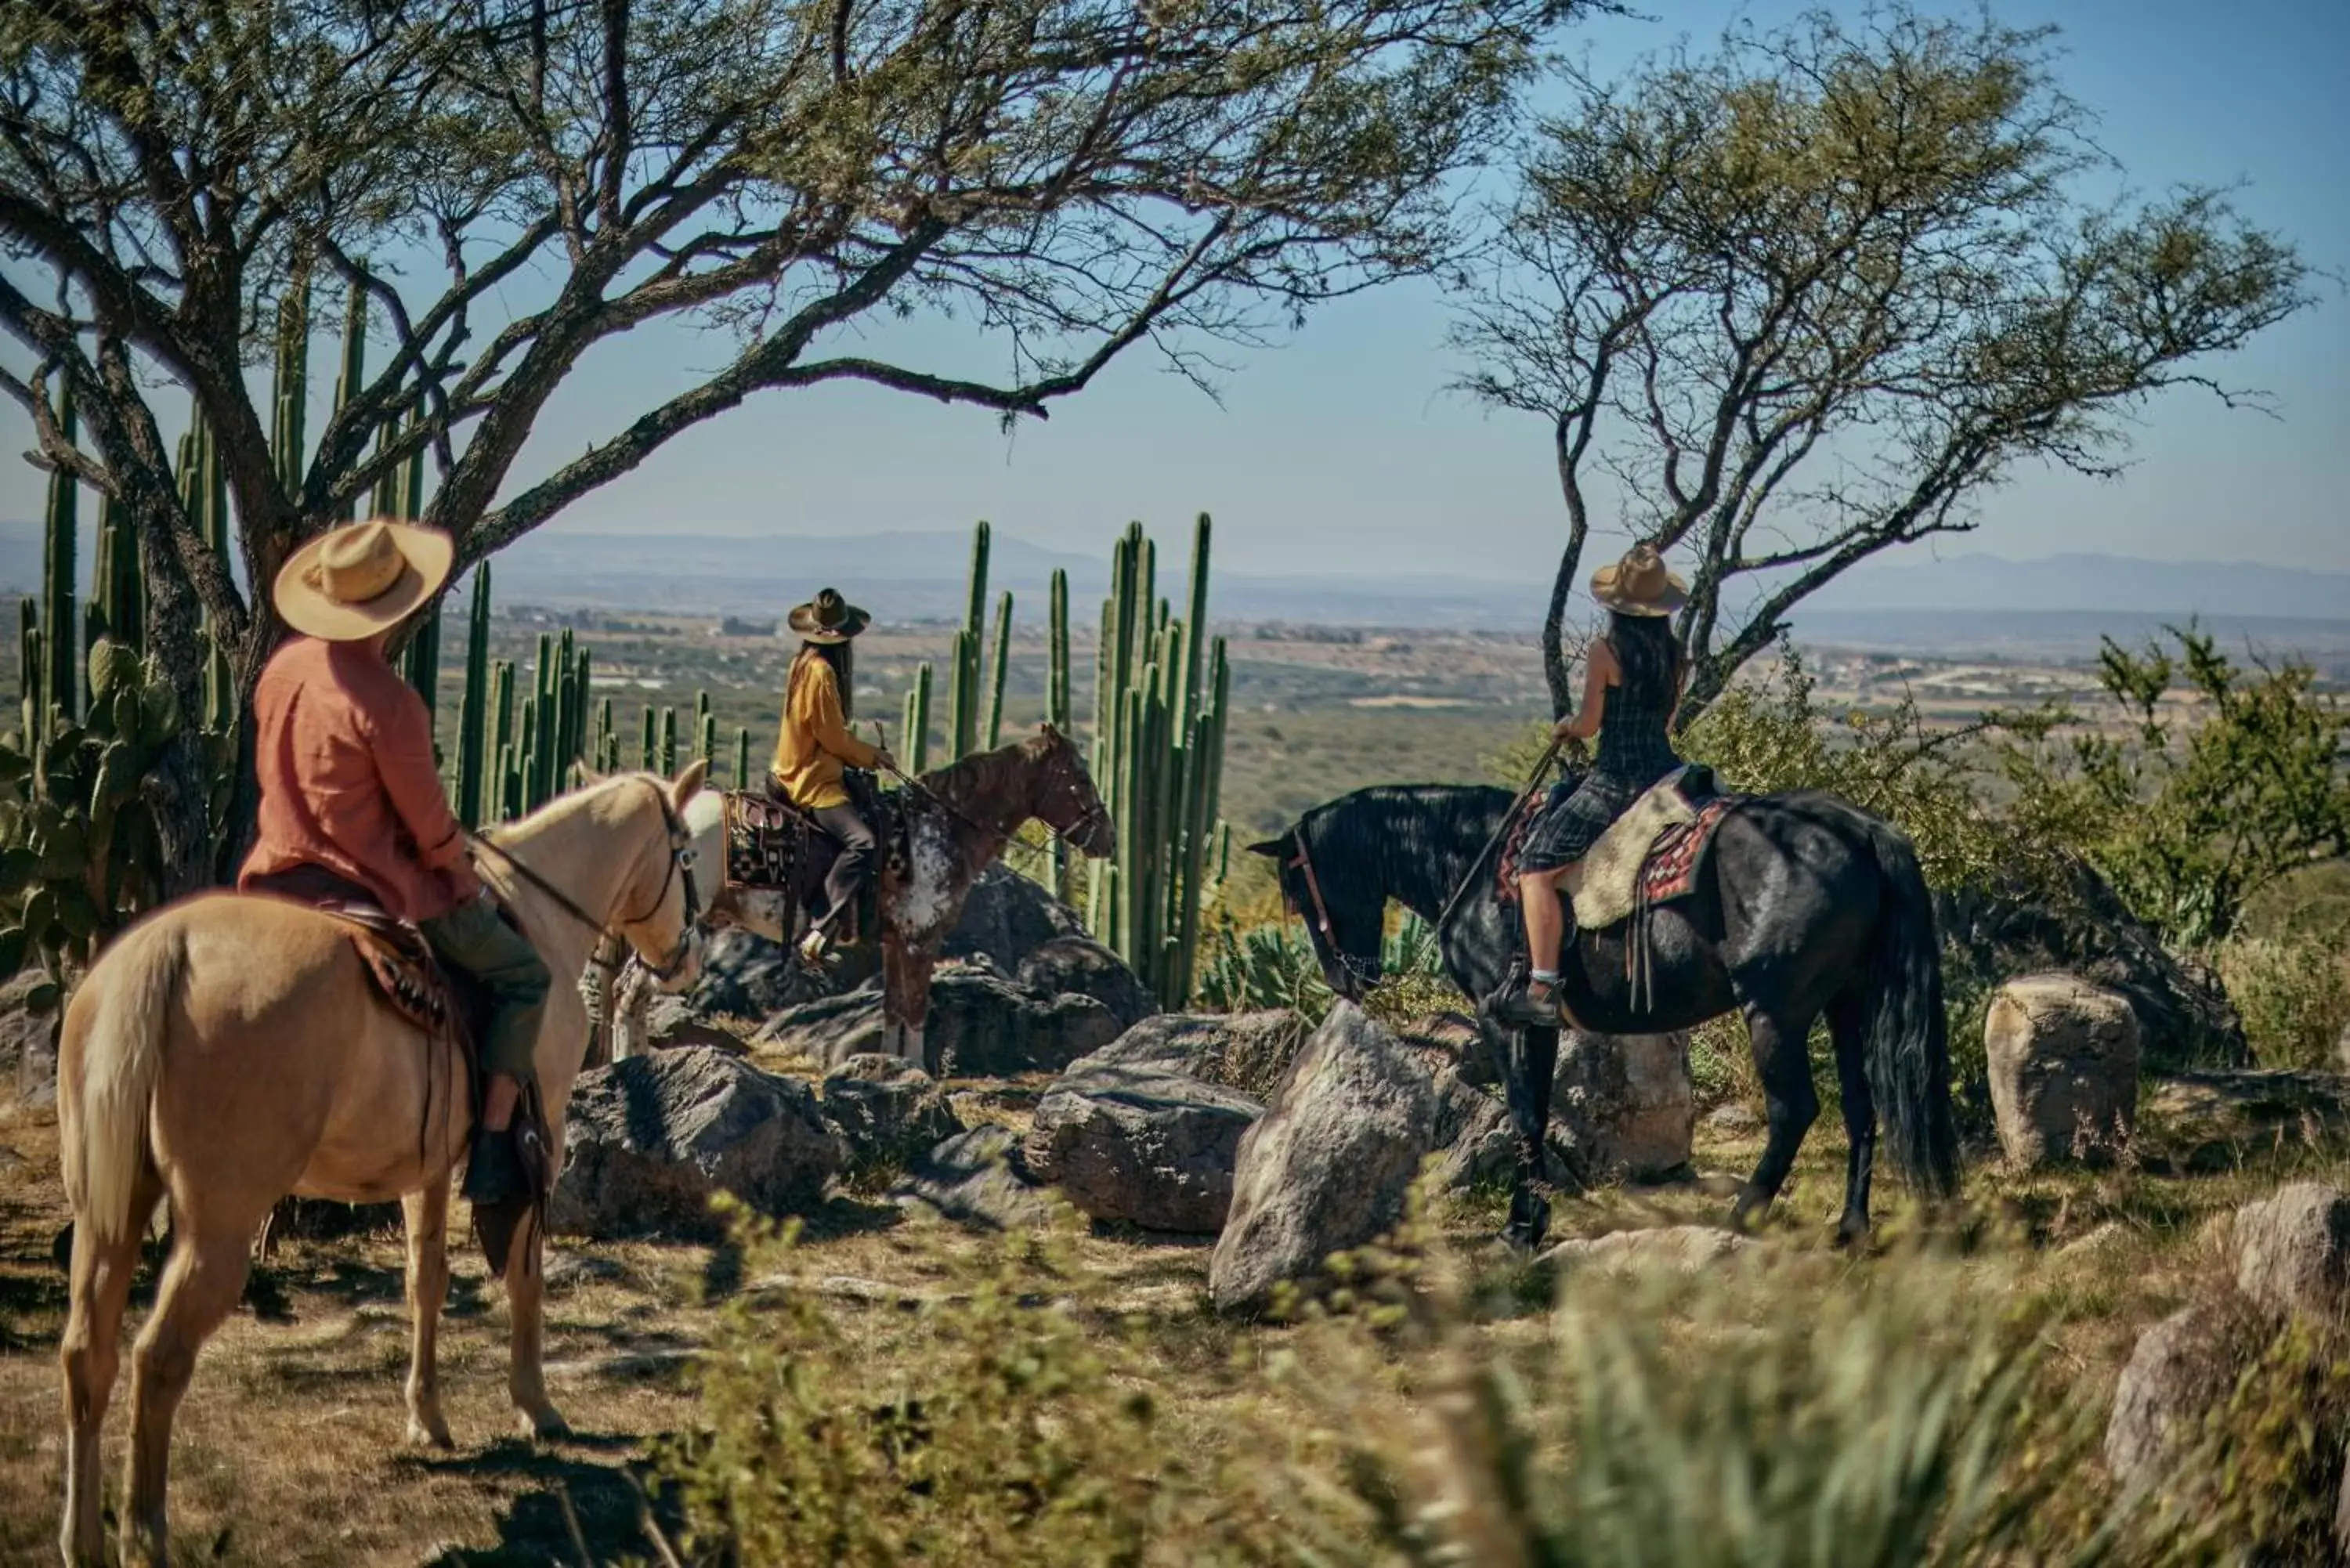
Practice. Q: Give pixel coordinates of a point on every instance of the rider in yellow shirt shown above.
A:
(815, 745)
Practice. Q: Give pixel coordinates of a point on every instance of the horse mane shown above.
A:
(984, 774)
(598, 787)
(1378, 842)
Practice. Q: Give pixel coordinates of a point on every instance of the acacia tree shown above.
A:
(1811, 297)
(509, 185)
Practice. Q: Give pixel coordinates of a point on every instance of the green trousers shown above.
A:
(472, 938)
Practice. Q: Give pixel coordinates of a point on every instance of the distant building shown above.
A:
(733, 626)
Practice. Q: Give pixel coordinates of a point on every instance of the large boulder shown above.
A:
(1151, 1147)
(1079, 966)
(2185, 1018)
(29, 1015)
(2179, 1371)
(886, 1111)
(748, 976)
(651, 1140)
(1250, 1052)
(1006, 918)
(1328, 1166)
(1623, 1106)
(978, 1178)
(984, 1025)
(828, 1030)
(2292, 1250)
(1663, 1248)
(2062, 1057)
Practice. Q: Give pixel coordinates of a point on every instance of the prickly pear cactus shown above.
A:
(79, 855)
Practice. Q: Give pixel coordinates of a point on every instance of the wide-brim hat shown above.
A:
(828, 617)
(352, 582)
(1639, 583)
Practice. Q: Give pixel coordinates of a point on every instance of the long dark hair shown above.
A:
(1646, 649)
(843, 671)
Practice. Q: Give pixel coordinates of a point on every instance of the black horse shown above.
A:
(1803, 905)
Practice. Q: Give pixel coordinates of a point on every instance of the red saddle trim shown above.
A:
(1671, 869)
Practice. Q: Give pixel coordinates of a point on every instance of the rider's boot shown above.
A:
(1532, 1000)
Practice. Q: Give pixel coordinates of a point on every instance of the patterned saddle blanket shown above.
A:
(413, 981)
(1650, 855)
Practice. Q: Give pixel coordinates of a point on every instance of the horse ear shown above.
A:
(1270, 848)
(590, 777)
(689, 783)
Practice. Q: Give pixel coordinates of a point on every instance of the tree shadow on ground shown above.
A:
(576, 1509)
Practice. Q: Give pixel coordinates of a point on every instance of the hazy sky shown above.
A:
(1339, 451)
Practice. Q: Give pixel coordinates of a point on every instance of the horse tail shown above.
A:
(123, 1007)
(1909, 1046)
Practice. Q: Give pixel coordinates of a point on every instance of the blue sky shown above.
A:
(1339, 451)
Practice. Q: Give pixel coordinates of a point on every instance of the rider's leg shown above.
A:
(474, 939)
(846, 878)
(1546, 922)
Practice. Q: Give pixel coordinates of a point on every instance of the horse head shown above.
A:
(1065, 799)
(1343, 921)
(662, 888)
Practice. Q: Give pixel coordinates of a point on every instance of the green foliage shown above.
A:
(2292, 993)
(2190, 821)
(1000, 1428)
(1272, 965)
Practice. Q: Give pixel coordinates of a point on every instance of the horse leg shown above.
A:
(90, 1352)
(1781, 1058)
(905, 1002)
(201, 1285)
(1848, 1027)
(1533, 1061)
(526, 1302)
(427, 1213)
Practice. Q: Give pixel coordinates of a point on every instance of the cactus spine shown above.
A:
(1159, 749)
(916, 729)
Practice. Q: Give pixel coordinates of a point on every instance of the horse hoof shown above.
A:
(1852, 1237)
(430, 1434)
(546, 1426)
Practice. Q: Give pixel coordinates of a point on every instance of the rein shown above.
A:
(680, 861)
(1091, 815)
(1534, 781)
(1345, 960)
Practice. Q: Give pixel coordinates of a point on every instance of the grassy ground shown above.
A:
(288, 1444)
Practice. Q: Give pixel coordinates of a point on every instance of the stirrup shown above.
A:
(814, 949)
(1519, 1004)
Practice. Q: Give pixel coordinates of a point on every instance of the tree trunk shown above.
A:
(176, 787)
(1554, 636)
(238, 825)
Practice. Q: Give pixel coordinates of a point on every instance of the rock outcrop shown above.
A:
(2062, 1057)
(1142, 1144)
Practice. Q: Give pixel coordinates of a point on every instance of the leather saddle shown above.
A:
(773, 846)
(1656, 848)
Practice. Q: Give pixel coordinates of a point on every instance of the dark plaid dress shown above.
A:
(1634, 754)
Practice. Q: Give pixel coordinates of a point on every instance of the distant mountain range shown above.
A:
(1958, 602)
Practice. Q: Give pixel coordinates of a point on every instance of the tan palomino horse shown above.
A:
(229, 1050)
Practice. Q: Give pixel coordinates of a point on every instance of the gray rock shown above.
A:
(828, 1031)
(984, 1025)
(651, 1140)
(2178, 1372)
(1623, 1106)
(1141, 1145)
(2292, 1250)
(28, 1039)
(887, 1111)
(1674, 1249)
(978, 1178)
(2342, 1060)
(1250, 1052)
(1006, 918)
(1733, 1119)
(748, 976)
(673, 1021)
(1457, 1035)
(2063, 1062)
(1328, 1166)
(1079, 966)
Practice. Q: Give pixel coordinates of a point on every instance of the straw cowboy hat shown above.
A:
(1640, 585)
(828, 617)
(351, 583)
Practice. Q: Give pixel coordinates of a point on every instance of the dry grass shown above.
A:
(288, 1447)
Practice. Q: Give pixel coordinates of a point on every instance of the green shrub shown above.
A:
(2292, 993)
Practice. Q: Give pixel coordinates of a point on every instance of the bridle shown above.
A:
(1091, 817)
(681, 864)
(1353, 968)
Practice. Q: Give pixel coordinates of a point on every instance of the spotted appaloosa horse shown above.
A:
(1804, 904)
(958, 822)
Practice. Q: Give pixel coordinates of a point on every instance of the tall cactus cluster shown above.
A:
(1160, 689)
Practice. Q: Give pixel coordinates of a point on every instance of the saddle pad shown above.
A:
(1513, 843)
(1671, 870)
(1606, 886)
(402, 966)
(763, 841)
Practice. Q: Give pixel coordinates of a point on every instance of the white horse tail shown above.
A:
(129, 997)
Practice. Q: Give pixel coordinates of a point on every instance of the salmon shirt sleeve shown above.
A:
(402, 733)
(815, 706)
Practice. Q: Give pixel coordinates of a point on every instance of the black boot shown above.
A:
(1531, 1003)
(494, 1173)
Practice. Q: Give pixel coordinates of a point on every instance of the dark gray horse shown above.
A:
(1803, 905)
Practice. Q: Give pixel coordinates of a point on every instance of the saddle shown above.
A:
(773, 846)
(1650, 855)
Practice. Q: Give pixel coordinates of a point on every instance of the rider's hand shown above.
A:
(881, 755)
(1564, 731)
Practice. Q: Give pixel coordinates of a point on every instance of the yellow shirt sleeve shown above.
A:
(814, 705)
